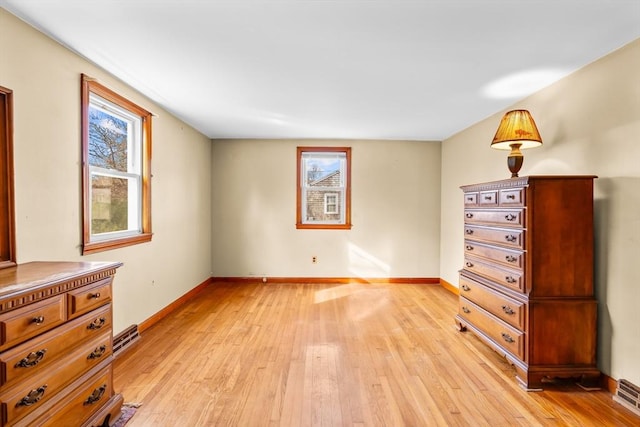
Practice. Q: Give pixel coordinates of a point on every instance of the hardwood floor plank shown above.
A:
(318, 354)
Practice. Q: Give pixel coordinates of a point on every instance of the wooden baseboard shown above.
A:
(333, 280)
(173, 306)
(608, 383)
(448, 286)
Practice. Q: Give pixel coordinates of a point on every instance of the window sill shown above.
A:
(95, 247)
(323, 226)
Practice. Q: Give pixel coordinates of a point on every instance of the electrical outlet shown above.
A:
(314, 259)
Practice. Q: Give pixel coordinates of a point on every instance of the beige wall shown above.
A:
(45, 79)
(395, 212)
(590, 124)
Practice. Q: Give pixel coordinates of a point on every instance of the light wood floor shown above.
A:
(335, 355)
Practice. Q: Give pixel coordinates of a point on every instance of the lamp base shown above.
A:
(515, 160)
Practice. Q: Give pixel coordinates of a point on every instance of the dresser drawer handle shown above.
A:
(511, 258)
(510, 217)
(94, 295)
(508, 310)
(38, 320)
(510, 238)
(96, 395)
(469, 199)
(468, 264)
(466, 310)
(467, 231)
(466, 288)
(488, 197)
(98, 352)
(97, 324)
(507, 338)
(32, 359)
(469, 215)
(469, 247)
(33, 397)
(510, 279)
(511, 196)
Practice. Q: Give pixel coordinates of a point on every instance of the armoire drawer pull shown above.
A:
(511, 196)
(511, 258)
(510, 279)
(510, 217)
(33, 397)
(466, 310)
(467, 231)
(97, 324)
(32, 359)
(469, 215)
(469, 247)
(465, 288)
(508, 309)
(94, 295)
(38, 320)
(468, 264)
(488, 198)
(96, 395)
(510, 238)
(507, 337)
(98, 352)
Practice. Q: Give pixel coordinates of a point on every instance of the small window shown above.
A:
(324, 188)
(116, 152)
(331, 203)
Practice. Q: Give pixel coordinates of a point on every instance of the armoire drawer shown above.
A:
(499, 217)
(513, 279)
(23, 323)
(83, 403)
(36, 355)
(87, 298)
(512, 258)
(507, 237)
(512, 197)
(507, 309)
(504, 335)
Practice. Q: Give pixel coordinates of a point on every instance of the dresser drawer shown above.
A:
(501, 217)
(89, 297)
(23, 323)
(35, 356)
(31, 393)
(471, 199)
(512, 197)
(507, 309)
(511, 278)
(509, 257)
(502, 334)
(488, 198)
(512, 238)
(83, 403)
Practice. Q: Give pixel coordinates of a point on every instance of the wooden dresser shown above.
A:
(55, 345)
(526, 287)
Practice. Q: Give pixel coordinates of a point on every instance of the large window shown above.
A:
(7, 227)
(324, 187)
(116, 158)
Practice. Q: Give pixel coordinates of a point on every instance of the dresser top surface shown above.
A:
(26, 277)
(523, 181)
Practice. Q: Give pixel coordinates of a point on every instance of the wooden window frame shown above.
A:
(7, 202)
(346, 225)
(89, 246)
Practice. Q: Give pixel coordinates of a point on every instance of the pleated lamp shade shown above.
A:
(517, 130)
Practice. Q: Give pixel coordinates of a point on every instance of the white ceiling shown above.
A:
(357, 69)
